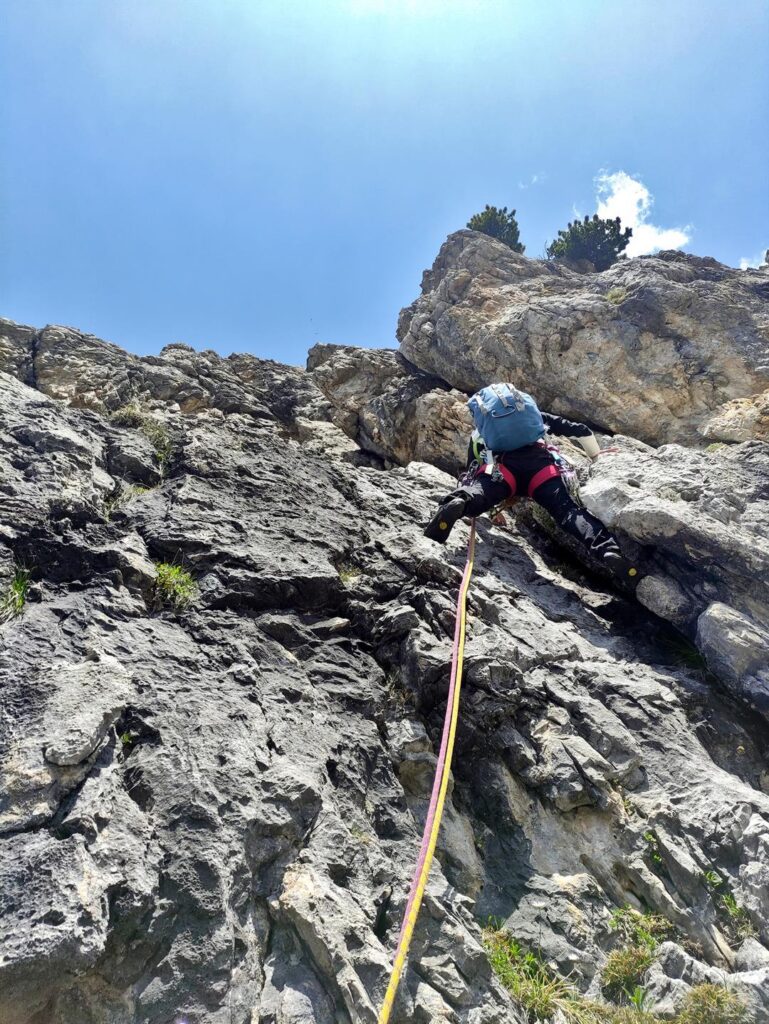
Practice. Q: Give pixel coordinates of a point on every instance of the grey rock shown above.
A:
(16, 343)
(87, 700)
(389, 407)
(131, 458)
(292, 991)
(408, 736)
(751, 956)
(752, 987)
(663, 596)
(675, 972)
(737, 649)
(54, 916)
(221, 804)
(742, 419)
(701, 516)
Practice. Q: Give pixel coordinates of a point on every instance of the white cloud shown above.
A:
(620, 195)
(536, 179)
(753, 261)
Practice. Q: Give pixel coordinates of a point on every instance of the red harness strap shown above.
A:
(546, 473)
(509, 478)
(505, 473)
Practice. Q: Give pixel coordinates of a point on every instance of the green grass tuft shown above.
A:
(532, 984)
(679, 650)
(348, 572)
(638, 998)
(628, 1015)
(653, 847)
(174, 586)
(712, 1004)
(643, 929)
(133, 415)
(160, 439)
(130, 415)
(625, 968)
(14, 598)
(544, 995)
(616, 295)
(739, 925)
(127, 740)
(360, 836)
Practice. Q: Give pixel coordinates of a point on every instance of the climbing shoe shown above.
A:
(439, 527)
(622, 569)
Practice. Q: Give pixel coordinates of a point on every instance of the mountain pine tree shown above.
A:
(601, 241)
(499, 224)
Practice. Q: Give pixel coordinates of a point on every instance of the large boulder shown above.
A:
(389, 407)
(654, 347)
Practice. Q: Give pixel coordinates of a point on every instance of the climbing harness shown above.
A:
(440, 786)
(497, 470)
(487, 461)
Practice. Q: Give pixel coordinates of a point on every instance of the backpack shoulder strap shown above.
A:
(499, 392)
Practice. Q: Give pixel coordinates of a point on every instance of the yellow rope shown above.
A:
(408, 929)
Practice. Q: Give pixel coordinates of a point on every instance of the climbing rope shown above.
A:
(440, 786)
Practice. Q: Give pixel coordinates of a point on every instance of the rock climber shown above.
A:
(509, 457)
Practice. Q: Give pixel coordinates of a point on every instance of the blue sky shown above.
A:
(254, 175)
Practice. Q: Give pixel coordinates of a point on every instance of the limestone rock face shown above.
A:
(387, 406)
(740, 420)
(16, 347)
(656, 347)
(211, 811)
(702, 516)
(695, 519)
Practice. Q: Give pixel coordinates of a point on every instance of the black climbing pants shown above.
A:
(484, 492)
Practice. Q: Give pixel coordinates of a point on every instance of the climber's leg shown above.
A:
(586, 528)
(471, 499)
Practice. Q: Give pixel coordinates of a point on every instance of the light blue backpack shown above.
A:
(506, 418)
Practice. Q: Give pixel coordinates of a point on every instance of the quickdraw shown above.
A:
(567, 472)
(440, 786)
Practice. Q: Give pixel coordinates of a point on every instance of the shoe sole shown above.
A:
(438, 529)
